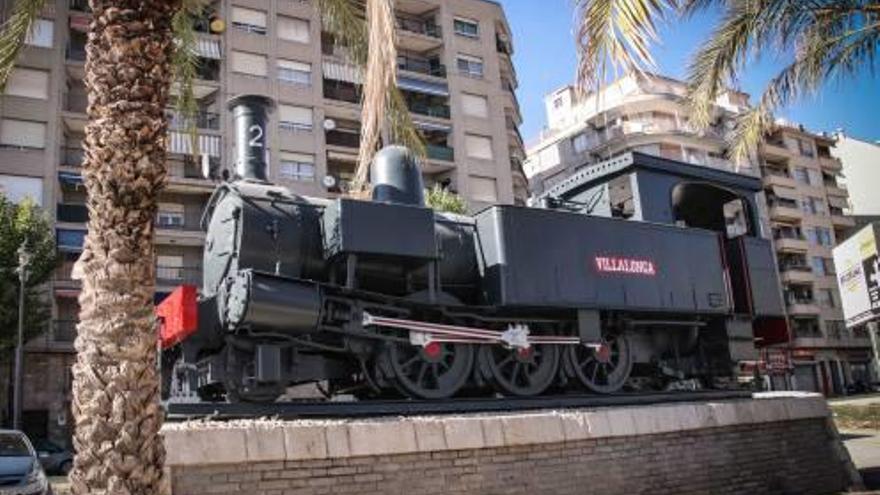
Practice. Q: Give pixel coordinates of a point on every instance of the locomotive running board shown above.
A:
(516, 336)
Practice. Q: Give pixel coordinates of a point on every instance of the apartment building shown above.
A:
(638, 112)
(807, 209)
(455, 71)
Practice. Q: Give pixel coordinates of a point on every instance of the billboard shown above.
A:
(858, 276)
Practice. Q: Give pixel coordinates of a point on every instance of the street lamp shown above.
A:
(24, 258)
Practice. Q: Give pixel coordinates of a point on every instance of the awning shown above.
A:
(419, 86)
(208, 48)
(785, 192)
(342, 72)
(79, 22)
(838, 202)
(70, 178)
(430, 126)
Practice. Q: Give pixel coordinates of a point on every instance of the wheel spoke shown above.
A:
(423, 370)
(595, 372)
(410, 362)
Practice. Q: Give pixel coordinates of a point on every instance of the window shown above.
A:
(292, 72)
(820, 236)
(580, 143)
(22, 134)
(29, 83)
(292, 29)
(41, 33)
(466, 27)
(249, 63)
(295, 119)
(297, 166)
(819, 266)
(557, 103)
(470, 66)
(478, 147)
(170, 216)
(483, 189)
(16, 188)
(802, 175)
(814, 206)
(826, 299)
(475, 105)
(805, 147)
(169, 267)
(248, 20)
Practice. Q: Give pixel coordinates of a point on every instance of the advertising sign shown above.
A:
(858, 276)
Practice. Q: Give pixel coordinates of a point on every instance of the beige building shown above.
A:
(807, 200)
(803, 190)
(455, 70)
(645, 113)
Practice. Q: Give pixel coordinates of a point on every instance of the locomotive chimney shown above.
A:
(396, 177)
(249, 114)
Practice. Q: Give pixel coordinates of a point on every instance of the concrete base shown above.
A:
(776, 443)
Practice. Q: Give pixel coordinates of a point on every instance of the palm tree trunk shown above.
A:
(116, 386)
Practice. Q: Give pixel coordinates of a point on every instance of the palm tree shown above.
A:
(823, 39)
(135, 49)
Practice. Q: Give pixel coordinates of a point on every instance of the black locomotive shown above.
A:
(639, 272)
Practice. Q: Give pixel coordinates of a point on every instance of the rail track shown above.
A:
(181, 411)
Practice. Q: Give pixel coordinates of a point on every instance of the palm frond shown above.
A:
(185, 65)
(380, 75)
(13, 33)
(839, 57)
(616, 33)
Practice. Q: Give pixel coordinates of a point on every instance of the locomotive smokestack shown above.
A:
(396, 177)
(249, 114)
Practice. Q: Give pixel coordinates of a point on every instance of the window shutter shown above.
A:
(249, 63)
(292, 29)
(478, 147)
(475, 105)
(249, 16)
(483, 189)
(294, 65)
(22, 133)
(29, 83)
(295, 115)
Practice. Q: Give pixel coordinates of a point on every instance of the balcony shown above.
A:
(439, 111)
(202, 120)
(75, 53)
(429, 67)
(796, 273)
(838, 219)
(439, 152)
(798, 244)
(71, 157)
(830, 163)
(802, 306)
(72, 213)
(784, 210)
(344, 139)
(419, 35)
(178, 275)
(774, 177)
(341, 91)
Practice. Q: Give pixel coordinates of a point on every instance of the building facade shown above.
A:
(807, 207)
(638, 112)
(805, 200)
(455, 71)
(861, 168)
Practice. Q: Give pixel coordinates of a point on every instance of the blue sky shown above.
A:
(545, 60)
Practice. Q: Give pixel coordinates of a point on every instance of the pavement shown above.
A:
(859, 400)
(864, 449)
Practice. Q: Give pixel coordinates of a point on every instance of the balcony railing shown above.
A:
(431, 67)
(73, 213)
(346, 93)
(71, 157)
(439, 111)
(796, 267)
(203, 120)
(439, 152)
(77, 53)
(425, 28)
(346, 139)
(176, 275)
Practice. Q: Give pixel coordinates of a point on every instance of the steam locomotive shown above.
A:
(636, 273)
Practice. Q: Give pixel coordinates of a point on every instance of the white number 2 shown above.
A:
(257, 133)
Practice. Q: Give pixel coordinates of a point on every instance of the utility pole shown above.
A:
(23, 260)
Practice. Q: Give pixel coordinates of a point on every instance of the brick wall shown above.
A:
(785, 457)
(746, 447)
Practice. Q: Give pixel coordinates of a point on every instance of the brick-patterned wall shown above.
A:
(786, 457)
